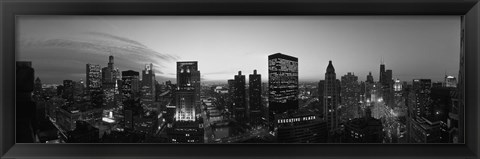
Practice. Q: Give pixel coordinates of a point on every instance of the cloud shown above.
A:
(72, 53)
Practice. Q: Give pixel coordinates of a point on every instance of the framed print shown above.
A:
(183, 79)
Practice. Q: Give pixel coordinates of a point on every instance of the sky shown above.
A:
(412, 46)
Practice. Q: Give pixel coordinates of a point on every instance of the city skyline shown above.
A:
(416, 37)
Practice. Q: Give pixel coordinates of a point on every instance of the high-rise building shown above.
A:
(282, 83)
(94, 84)
(187, 126)
(350, 94)
(94, 75)
(382, 73)
(148, 85)
(109, 83)
(255, 96)
(369, 86)
(331, 98)
(421, 89)
(188, 78)
(239, 98)
(130, 84)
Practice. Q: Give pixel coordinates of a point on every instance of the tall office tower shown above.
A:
(331, 99)
(321, 96)
(148, 85)
(130, 83)
(94, 75)
(382, 72)
(239, 98)
(421, 89)
(255, 96)
(94, 84)
(188, 78)
(188, 124)
(109, 84)
(350, 90)
(282, 83)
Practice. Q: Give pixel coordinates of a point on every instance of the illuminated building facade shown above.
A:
(94, 77)
(148, 85)
(188, 79)
(130, 84)
(255, 96)
(187, 126)
(350, 92)
(282, 83)
(422, 90)
(109, 83)
(300, 126)
(94, 84)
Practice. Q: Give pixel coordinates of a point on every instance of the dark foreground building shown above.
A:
(363, 130)
(301, 126)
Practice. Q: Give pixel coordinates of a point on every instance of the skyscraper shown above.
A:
(331, 99)
(94, 75)
(188, 79)
(94, 84)
(255, 96)
(130, 82)
(350, 90)
(422, 90)
(382, 72)
(188, 124)
(239, 98)
(109, 83)
(148, 85)
(283, 84)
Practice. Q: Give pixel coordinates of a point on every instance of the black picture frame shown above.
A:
(470, 9)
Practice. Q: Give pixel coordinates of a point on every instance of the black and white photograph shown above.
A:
(239, 79)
